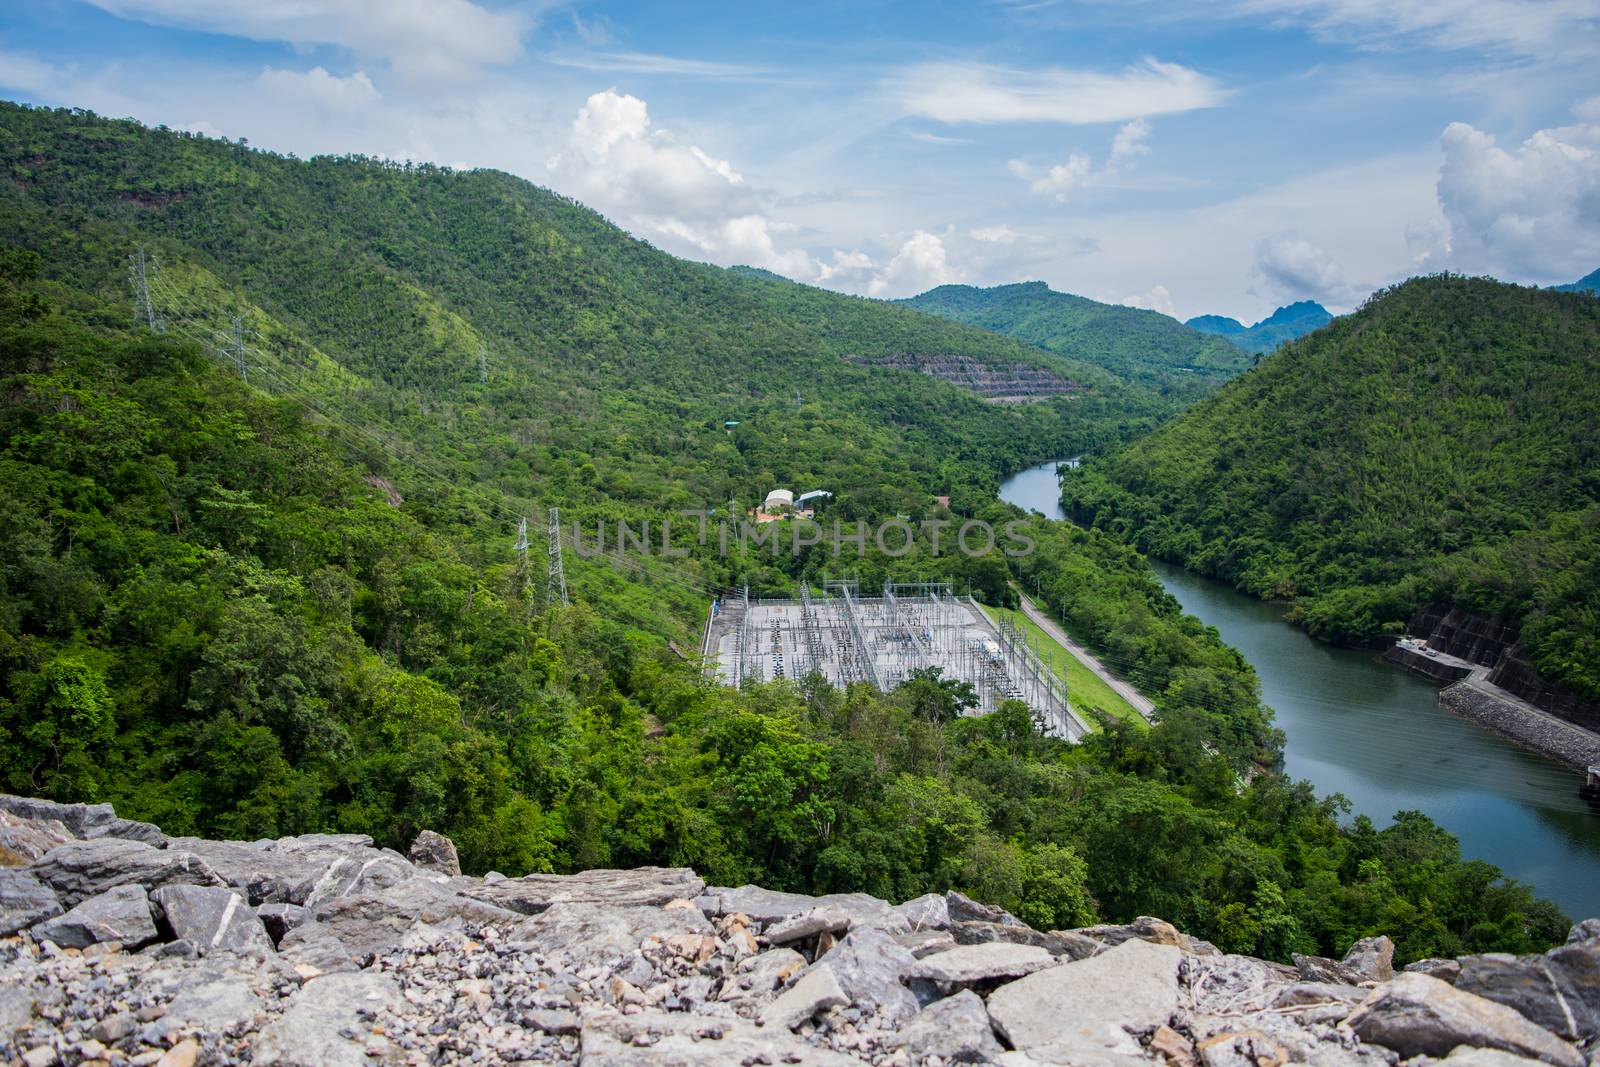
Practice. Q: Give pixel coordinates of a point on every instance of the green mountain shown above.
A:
(1589, 283)
(1285, 324)
(1137, 345)
(1440, 444)
(263, 573)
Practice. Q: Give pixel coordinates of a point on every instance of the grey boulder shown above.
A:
(596, 934)
(24, 840)
(870, 965)
(960, 908)
(642, 886)
(1418, 1015)
(1372, 958)
(657, 1039)
(372, 922)
(83, 820)
(979, 963)
(120, 914)
(312, 1031)
(434, 852)
(928, 912)
(213, 918)
(816, 991)
(957, 1029)
(24, 900)
(1068, 943)
(767, 906)
(1559, 991)
(79, 870)
(1087, 1007)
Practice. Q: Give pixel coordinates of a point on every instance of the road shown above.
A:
(1141, 703)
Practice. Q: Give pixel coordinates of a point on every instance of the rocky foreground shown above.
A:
(120, 945)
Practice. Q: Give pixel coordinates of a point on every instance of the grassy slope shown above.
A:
(1084, 687)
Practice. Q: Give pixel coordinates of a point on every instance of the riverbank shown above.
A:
(1358, 727)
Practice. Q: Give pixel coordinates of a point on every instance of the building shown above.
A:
(778, 500)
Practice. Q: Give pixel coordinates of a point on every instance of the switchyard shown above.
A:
(881, 639)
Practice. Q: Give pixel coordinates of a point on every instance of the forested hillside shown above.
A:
(1285, 324)
(1441, 444)
(263, 581)
(1142, 346)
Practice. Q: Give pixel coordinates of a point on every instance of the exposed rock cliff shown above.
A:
(129, 947)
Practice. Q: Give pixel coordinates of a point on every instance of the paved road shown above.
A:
(1141, 703)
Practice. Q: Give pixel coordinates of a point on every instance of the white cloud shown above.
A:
(933, 138)
(316, 86)
(1540, 28)
(428, 39)
(650, 63)
(1156, 298)
(1532, 211)
(920, 264)
(966, 92)
(1079, 170)
(1000, 235)
(1291, 268)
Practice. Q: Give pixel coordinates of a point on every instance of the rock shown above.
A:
(371, 922)
(79, 870)
(643, 886)
(807, 924)
(183, 1054)
(120, 914)
(434, 852)
(1088, 1007)
(82, 820)
(213, 918)
(1172, 1046)
(979, 963)
(1372, 958)
(957, 1029)
(757, 978)
(1241, 1048)
(1318, 993)
(649, 1039)
(1068, 943)
(258, 869)
(960, 908)
(928, 912)
(1417, 1015)
(1145, 928)
(597, 934)
(279, 919)
(221, 1004)
(1444, 970)
(869, 966)
(1227, 985)
(24, 840)
(1467, 1056)
(767, 906)
(313, 949)
(1559, 991)
(1587, 930)
(816, 991)
(24, 900)
(1322, 969)
(922, 943)
(311, 1031)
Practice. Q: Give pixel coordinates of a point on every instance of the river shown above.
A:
(1358, 726)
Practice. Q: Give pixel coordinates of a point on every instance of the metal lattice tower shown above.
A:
(483, 363)
(237, 349)
(555, 575)
(138, 269)
(522, 547)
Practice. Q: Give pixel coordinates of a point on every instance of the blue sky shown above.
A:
(1221, 157)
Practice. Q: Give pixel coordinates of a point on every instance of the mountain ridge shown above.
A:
(1285, 324)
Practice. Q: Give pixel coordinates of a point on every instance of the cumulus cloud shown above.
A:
(1156, 298)
(1291, 268)
(967, 92)
(1532, 211)
(1000, 235)
(429, 39)
(920, 264)
(321, 89)
(1058, 181)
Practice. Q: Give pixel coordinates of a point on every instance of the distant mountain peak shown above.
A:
(1589, 283)
(1285, 324)
(1221, 325)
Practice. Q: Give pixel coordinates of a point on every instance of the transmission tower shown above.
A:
(483, 364)
(555, 576)
(141, 290)
(522, 547)
(237, 349)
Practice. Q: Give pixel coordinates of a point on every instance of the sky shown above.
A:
(1221, 157)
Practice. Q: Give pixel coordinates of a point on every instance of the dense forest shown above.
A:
(1441, 444)
(260, 579)
(1142, 346)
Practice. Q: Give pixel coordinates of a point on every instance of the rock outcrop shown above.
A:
(129, 947)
